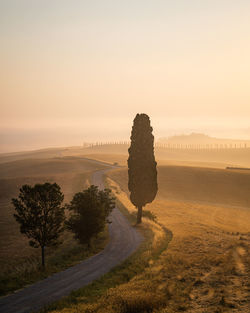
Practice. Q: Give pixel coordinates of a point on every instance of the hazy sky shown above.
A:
(94, 64)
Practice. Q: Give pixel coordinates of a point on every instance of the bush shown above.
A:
(90, 211)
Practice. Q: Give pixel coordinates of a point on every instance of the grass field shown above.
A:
(216, 158)
(207, 265)
(94, 296)
(199, 185)
(19, 262)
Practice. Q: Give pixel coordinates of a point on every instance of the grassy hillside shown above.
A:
(237, 157)
(212, 158)
(112, 152)
(45, 167)
(36, 154)
(120, 159)
(194, 184)
(72, 174)
(206, 267)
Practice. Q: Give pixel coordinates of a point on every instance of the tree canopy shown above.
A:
(40, 213)
(89, 213)
(142, 172)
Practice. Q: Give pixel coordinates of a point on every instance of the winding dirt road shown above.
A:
(124, 240)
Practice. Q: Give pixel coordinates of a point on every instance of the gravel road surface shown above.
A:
(124, 240)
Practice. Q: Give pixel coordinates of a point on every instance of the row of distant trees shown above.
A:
(41, 214)
(202, 146)
(209, 146)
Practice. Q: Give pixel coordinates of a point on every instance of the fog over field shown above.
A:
(14, 140)
(125, 156)
(73, 72)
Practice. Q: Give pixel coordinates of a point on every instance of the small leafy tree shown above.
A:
(40, 213)
(142, 172)
(90, 210)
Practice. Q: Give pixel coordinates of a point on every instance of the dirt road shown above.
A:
(124, 240)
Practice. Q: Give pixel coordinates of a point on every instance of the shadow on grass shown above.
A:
(30, 271)
(120, 274)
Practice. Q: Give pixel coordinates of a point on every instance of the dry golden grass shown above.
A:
(46, 167)
(120, 193)
(121, 159)
(207, 164)
(13, 246)
(206, 268)
(136, 296)
(212, 158)
(236, 157)
(207, 256)
(119, 153)
(123, 198)
(199, 185)
(207, 265)
(72, 174)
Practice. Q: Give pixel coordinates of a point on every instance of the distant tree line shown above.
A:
(213, 146)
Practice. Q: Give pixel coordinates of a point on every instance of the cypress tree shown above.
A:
(142, 173)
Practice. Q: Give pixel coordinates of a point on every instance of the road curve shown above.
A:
(124, 240)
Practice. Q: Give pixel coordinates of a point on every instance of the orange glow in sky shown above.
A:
(96, 64)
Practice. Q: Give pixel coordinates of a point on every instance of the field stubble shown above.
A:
(206, 267)
(20, 263)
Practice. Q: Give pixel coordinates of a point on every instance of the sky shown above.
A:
(74, 71)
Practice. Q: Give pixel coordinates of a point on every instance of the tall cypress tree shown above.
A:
(142, 172)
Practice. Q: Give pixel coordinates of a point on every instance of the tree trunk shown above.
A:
(139, 214)
(43, 259)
